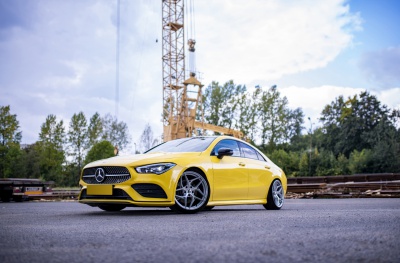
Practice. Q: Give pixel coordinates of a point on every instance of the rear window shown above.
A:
(195, 144)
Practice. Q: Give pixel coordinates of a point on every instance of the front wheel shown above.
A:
(192, 192)
(112, 208)
(276, 196)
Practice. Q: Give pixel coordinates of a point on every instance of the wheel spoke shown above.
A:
(199, 190)
(179, 196)
(192, 202)
(198, 198)
(187, 180)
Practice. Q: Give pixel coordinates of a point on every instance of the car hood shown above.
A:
(140, 159)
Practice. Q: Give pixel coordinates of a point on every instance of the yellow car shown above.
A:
(187, 175)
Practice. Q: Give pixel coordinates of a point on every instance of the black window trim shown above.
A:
(239, 143)
(212, 153)
(255, 149)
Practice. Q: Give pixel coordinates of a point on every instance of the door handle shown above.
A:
(267, 167)
(242, 164)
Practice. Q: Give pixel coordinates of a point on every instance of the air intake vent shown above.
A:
(150, 190)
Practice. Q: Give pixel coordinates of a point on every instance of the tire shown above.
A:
(208, 208)
(276, 196)
(112, 208)
(192, 193)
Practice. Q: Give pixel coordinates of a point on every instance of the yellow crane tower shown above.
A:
(181, 96)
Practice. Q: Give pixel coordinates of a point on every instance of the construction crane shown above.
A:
(181, 96)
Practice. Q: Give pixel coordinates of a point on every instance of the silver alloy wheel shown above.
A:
(191, 191)
(277, 193)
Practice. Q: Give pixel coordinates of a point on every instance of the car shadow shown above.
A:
(168, 212)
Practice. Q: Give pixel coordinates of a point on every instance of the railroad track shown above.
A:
(364, 185)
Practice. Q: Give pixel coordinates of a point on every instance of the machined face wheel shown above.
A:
(277, 193)
(192, 192)
(276, 196)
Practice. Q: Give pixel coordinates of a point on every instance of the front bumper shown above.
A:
(139, 190)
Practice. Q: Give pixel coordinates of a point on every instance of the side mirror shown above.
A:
(224, 152)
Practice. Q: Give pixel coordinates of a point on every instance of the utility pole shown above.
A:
(311, 134)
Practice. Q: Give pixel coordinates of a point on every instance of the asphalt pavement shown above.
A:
(305, 230)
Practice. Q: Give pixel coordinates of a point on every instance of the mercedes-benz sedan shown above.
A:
(187, 175)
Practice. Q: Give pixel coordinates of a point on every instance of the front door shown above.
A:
(230, 174)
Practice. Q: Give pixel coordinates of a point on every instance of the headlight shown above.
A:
(157, 168)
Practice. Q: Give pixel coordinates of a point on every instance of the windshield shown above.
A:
(195, 144)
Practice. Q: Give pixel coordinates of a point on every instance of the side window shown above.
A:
(231, 144)
(248, 152)
(260, 157)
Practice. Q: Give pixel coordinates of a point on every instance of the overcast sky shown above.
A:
(59, 56)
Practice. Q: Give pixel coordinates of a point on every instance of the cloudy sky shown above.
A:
(59, 56)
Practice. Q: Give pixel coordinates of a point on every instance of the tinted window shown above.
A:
(231, 144)
(260, 157)
(248, 151)
(195, 144)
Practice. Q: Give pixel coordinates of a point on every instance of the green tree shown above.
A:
(220, 103)
(360, 161)
(247, 114)
(32, 160)
(343, 165)
(327, 164)
(115, 132)
(95, 130)
(9, 127)
(78, 138)
(51, 148)
(304, 165)
(278, 123)
(349, 124)
(13, 165)
(100, 150)
(10, 137)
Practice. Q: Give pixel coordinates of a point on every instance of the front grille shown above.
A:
(150, 190)
(117, 194)
(113, 175)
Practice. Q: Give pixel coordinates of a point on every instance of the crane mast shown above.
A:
(173, 57)
(181, 96)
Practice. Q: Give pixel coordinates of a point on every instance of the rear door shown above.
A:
(258, 171)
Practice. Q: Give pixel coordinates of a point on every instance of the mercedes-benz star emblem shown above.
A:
(100, 175)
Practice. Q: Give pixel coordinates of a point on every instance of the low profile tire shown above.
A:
(112, 208)
(276, 196)
(192, 193)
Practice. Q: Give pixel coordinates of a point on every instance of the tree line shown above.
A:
(60, 153)
(354, 135)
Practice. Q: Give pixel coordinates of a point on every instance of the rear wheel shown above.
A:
(112, 208)
(192, 193)
(275, 196)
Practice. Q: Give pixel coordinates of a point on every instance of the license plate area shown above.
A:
(99, 189)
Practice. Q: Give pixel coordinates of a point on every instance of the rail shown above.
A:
(359, 185)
